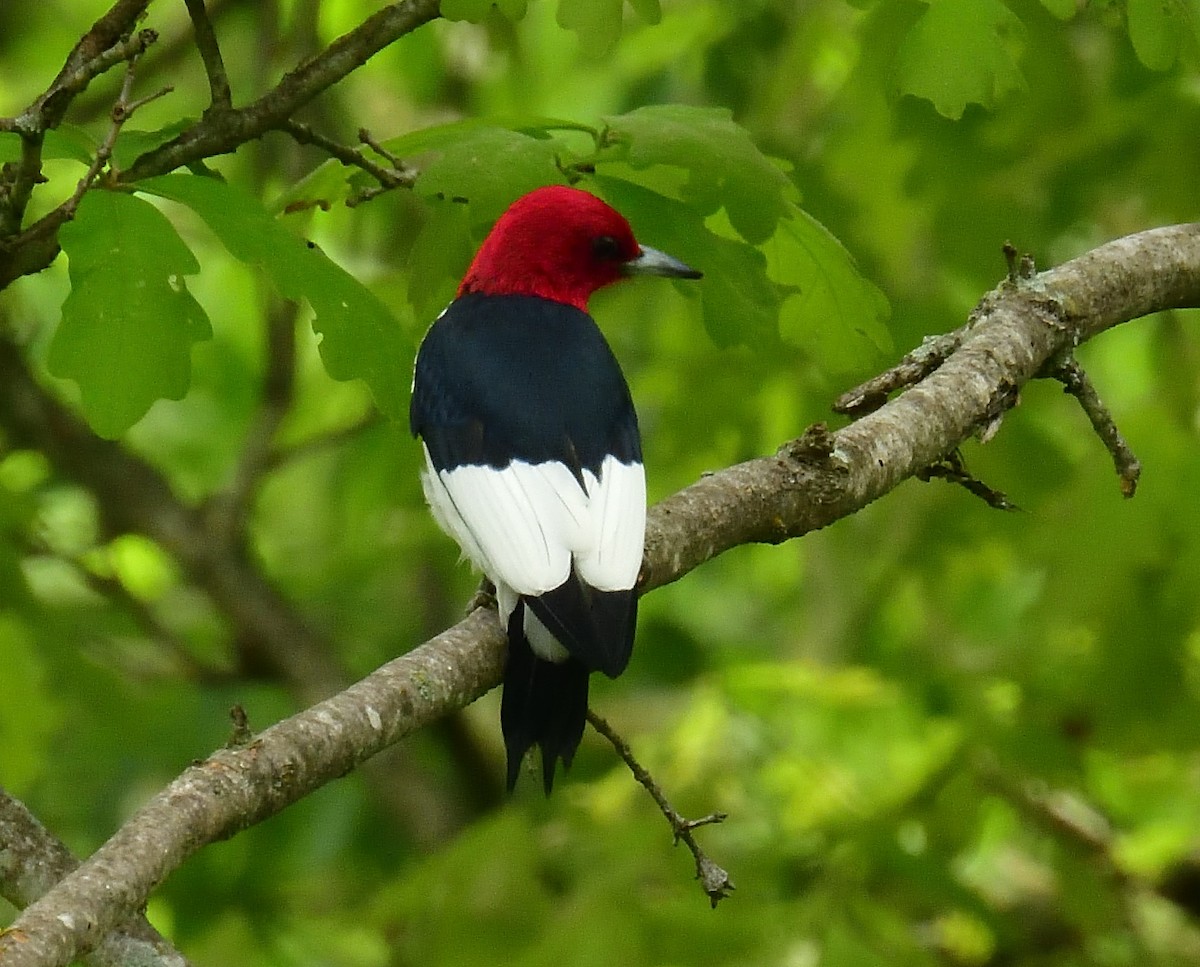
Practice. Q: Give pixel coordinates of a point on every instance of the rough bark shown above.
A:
(1017, 331)
(32, 860)
(1025, 327)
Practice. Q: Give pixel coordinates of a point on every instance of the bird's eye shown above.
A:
(606, 248)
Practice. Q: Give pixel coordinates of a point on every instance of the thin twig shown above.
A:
(396, 176)
(953, 469)
(104, 152)
(369, 140)
(229, 129)
(713, 879)
(914, 367)
(47, 110)
(1077, 383)
(45, 113)
(122, 111)
(210, 53)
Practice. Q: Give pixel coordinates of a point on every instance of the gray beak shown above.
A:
(654, 262)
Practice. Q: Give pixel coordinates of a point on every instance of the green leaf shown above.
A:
(476, 11)
(132, 143)
(360, 338)
(441, 136)
(1062, 9)
(649, 10)
(740, 303)
(961, 52)
(801, 285)
(489, 167)
(1155, 29)
(322, 187)
(129, 321)
(439, 258)
(597, 22)
(725, 165)
(838, 315)
(63, 143)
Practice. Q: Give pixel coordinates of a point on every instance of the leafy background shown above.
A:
(896, 712)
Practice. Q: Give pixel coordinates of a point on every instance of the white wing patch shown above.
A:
(617, 502)
(525, 525)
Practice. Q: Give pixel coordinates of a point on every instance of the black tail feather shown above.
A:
(596, 627)
(544, 704)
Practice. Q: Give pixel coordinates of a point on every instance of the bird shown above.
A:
(533, 456)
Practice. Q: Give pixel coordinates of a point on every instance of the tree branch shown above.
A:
(807, 484)
(32, 861)
(222, 129)
(237, 787)
(395, 176)
(105, 44)
(1011, 335)
(46, 112)
(210, 54)
(229, 510)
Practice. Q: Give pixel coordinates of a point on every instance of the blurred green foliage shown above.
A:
(891, 711)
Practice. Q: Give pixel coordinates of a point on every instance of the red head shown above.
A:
(563, 244)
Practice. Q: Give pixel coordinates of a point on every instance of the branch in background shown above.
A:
(1012, 334)
(238, 787)
(223, 131)
(183, 663)
(1080, 825)
(228, 511)
(135, 497)
(325, 441)
(47, 111)
(33, 860)
(210, 54)
(122, 111)
(1066, 816)
(713, 879)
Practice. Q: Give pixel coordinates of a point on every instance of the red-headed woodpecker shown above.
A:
(534, 461)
